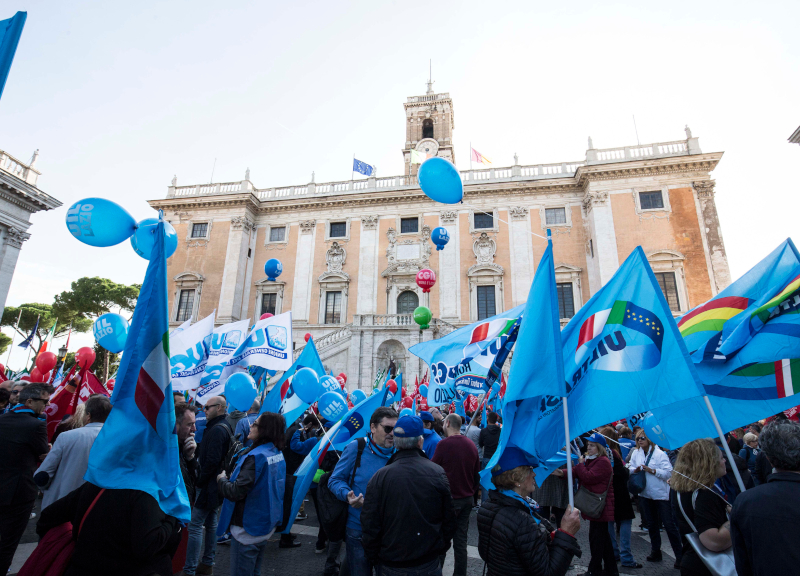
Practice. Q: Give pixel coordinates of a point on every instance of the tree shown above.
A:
(46, 317)
(4, 342)
(92, 297)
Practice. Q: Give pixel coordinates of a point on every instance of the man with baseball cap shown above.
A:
(408, 520)
(429, 436)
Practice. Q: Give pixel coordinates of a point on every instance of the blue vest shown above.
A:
(263, 506)
(429, 441)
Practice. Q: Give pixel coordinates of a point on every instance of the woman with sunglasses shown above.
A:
(654, 499)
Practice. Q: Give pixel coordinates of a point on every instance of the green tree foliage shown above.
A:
(92, 297)
(4, 342)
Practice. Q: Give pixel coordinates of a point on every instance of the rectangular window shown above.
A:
(485, 302)
(483, 220)
(409, 225)
(333, 307)
(338, 230)
(277, 233)
(185, 305)
(269, 302)
(566, 304)
(651, 200)
(555, 216)
(670, 289)
(200, 230)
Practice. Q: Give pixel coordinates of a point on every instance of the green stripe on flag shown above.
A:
(756, 370)
(714, 324)
(794, 369)
(617, 314)
(165, 343)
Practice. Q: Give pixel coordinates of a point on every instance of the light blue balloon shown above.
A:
(440, 236)
(99, 222)
(240, 391)
(496, 388)
(273, 268)
(111, 331)
(440, 181)
(343, 392)
(330, 384)
(332, 406)
(306, 385)
(144, 238)
(406, 412)
(423, 390)
(357, 396)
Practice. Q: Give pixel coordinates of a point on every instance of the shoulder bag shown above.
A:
(332, 511)
(638, 480)
(718, 563)
(591, 504)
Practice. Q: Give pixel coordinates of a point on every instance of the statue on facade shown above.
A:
(175, 180)
(247, 174)
(392, 368)
(688, 131)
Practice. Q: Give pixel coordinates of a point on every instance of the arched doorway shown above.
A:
(407, 302)
(390, 354)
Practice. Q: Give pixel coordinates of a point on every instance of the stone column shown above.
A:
(301, 293)
(366, 369)
(521, 248)
(711, 232)
(449, 269)
(597, 207)
(12, 243)
(367, 302)
(233, 276)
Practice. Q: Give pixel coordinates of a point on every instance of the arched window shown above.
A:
(427, 128)
(407, 302)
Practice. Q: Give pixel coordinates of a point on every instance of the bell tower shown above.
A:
(429, 127)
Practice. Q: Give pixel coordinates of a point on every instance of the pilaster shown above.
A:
(717, 259)
(231, 293)
(597, 210)
(304, 266)
(12, 244)
(449, 269)
(367, 302)
(521, 251)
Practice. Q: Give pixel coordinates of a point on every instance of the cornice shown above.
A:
(24, 195)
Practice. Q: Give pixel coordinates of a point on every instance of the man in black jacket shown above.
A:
(23, 445)
(185, 429)
(205, 513)
(408, 520)
(488, 440)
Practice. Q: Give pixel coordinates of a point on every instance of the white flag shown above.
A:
(224, 342)
(269, 345)
(188, 350)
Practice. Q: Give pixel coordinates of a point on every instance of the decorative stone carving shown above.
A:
(391, 234)
(307, 226)
(242, 223)
(518, 212)
(426, 245)
(484, 249)
(448, 216)
(688, 132)
(370, 222)
(197, 244)
(335, 257)
(705, 189)
(175, 180)
(593, 199)
(15, 237)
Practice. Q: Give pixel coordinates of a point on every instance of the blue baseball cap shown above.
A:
(512, 457)
(598, 439)
(426, 416)
(408, 427)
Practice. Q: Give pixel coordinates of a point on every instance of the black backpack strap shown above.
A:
(362, 443)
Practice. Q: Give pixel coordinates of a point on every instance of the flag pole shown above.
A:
(11, 347)
(470, 155)
(569, 453)
(725, 446)
(352, 166)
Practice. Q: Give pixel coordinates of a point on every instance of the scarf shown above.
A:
(515, 496)
(378, 450)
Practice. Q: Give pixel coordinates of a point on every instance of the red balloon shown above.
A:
(36, 375)
(110, 384)
(350, 405)
(403, 393)
(343, 376)
(308, 336)
(392, 385)
(423, 404)
(46, 361)
(426, 278)
(406, 402)
(2, 369)
(341, 381)
(343, 385)
(46, 376)
(84, 357)
(266, 315)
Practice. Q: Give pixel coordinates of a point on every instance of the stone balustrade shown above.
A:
(18, 168)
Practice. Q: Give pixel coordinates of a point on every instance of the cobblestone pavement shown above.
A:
(302, 561)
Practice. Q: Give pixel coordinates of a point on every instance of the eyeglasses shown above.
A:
(641, 439)
(45, 400)
(207, 406)
(388, 429)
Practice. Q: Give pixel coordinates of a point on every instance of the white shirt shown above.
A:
(657, 487)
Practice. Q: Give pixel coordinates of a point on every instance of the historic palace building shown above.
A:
(350, 250)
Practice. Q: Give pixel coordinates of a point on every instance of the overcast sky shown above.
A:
(119, 97)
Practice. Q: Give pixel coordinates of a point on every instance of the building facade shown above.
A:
(351, 250)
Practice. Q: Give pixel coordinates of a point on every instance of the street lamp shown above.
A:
(62, 353)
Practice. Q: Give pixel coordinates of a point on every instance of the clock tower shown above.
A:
(429, 127)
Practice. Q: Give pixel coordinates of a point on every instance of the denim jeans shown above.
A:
(356, 558)
(463, 508)
(246, 558)
(431, 568)
(203, 520)
(659, 511)
(624, 549)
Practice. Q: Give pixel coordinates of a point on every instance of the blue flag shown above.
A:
(362, 167)
(10, 32)
(282, 399)
(27, 342)
(137, 448)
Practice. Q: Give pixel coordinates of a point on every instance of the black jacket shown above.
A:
(190, 470)
(125, 534)
(23, 439)
(488, 439)
(764, 527)
(408, 516)
(292, 458)
(623, 507)
(238, 490)
(211, 454)
(763, 468)
(512, 544)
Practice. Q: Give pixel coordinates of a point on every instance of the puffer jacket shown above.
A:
(512, 544)
(596, 475)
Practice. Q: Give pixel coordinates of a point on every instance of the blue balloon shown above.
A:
(111, 331)
(240, 391)
(357, 396)
(144, 238)
(342, 391)
(330, 384)
(306, 385)
(273, 269)
(332, 406)
(406, 412)
(440, 181)
(496, 388)
(440, 236)
(423, 390)
(99, 222)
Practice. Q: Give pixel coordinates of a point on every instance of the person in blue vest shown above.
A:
(429, 436)
(253, 505)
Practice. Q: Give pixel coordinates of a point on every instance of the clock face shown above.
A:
(428, 146)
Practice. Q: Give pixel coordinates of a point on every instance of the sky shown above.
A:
(120, 97)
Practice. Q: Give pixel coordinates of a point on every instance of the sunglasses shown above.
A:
(641, 439)
(388, 429)
(46, 401)
(207, 406)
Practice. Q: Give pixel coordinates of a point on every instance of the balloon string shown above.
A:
(500, 219)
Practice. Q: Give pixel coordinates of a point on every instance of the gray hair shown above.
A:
(780, 441)
(407, 443)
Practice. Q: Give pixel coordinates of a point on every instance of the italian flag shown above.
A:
(592, 327)
(787, 377)
(152, 382)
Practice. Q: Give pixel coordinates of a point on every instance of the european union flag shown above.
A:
(363, 168)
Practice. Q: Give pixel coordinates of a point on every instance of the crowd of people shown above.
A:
(405, 494)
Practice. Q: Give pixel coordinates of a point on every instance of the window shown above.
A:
(407, 302)
(427, 128)
(555, 216)
(338, 230)
(333, 307)
(200, 230)
(483, 220)
(591, 247)
(409, 225)
(566, 304)
(269, 303)
(670, 289)
(485, 302)
(277, 234)
(249, 252)
(185, 304)
(651, 200)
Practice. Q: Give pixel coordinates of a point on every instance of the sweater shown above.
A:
(596, 476)
(459, 458)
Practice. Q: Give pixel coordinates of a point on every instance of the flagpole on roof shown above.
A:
(352, 167)
(470, 155)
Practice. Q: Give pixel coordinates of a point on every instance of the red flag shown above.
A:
(60, 404)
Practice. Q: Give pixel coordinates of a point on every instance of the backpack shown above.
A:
(332, 511)
(235, 450)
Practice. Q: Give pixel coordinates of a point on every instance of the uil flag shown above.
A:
(476, 156)
(282, 399)
(10, 32)
(363, 168)
(137, 447)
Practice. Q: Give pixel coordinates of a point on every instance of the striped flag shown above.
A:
(787, 377)
(476, 156)
(418, 157)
